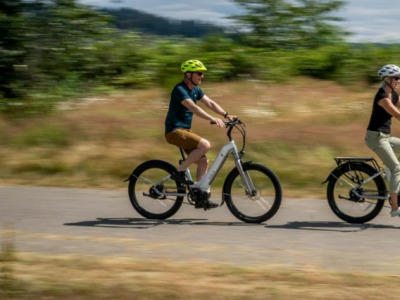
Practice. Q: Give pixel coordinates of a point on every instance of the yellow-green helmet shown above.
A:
(193, 65)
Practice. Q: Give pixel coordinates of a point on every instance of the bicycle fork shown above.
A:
(248, 183)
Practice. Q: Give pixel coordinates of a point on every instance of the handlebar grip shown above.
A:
(236, 120)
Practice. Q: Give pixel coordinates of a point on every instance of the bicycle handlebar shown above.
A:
(238, 125)
(229, 123)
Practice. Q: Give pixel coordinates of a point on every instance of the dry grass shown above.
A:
(65, 277)
(295, 129)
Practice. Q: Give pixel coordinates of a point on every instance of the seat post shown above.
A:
(183, 156)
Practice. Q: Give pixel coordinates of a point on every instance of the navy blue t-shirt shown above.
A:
(178, 115)
(380, 119)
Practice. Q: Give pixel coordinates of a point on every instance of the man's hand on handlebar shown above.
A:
(231, 118)
(219, 122)
(231, 121)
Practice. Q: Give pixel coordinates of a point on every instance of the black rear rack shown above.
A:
(371, 160)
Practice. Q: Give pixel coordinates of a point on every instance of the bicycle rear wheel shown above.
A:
(142, 190)
(344, 202)
(260, 207)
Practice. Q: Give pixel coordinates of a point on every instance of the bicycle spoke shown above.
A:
(267, 204)
(147, 180)
(349, 183)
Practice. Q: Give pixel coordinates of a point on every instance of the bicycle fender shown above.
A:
(331, 175)
(247, 162)
(232, 171)
(348, 165)
(144, 164)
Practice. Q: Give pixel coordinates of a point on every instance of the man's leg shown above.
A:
(195, 146)
(202, 166)
(197, 156)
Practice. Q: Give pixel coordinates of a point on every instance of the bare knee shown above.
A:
(204, 145)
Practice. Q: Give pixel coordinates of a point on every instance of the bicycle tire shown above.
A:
(142, 181)
(262, 206)
(355, 209)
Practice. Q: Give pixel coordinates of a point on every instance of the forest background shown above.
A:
(84, 92)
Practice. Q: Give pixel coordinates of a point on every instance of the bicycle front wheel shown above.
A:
(342, 197)
(143, 189)
(256, 208)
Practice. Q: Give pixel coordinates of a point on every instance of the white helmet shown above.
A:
(389, 71)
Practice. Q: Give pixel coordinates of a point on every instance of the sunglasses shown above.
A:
(199, 73)
(396, 78)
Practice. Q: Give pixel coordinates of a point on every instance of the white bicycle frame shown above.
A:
(205, 183)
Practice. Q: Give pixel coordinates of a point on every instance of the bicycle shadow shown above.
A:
(330, 226)
(142, 223)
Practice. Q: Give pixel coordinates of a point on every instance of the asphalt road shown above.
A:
(303, 234)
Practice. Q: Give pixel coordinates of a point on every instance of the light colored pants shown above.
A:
(385, 146)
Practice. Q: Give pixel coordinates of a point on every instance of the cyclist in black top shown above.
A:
(385, 106)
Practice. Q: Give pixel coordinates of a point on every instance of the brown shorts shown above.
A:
(183, 138)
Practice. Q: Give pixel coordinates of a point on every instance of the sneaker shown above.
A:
(206, 204)
(209, 205)
(180, 176)
(395, 213)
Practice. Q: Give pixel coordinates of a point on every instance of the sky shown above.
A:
(367, 20)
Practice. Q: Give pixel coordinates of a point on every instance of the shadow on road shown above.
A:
(142, 223)
(331, 226)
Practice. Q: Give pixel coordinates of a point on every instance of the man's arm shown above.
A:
(212, 105)
(198, 111)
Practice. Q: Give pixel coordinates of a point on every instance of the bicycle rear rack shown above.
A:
(368, 160)
(371, 160)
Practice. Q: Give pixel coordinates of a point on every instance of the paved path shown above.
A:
(304, 233)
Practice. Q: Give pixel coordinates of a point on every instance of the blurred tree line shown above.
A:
(51, 50)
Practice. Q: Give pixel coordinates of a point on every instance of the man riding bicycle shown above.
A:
(178, 123)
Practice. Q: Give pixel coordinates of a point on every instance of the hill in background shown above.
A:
(131, 19)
